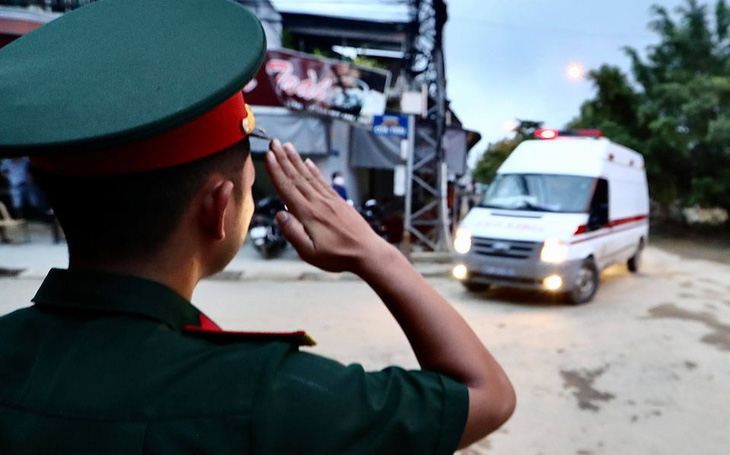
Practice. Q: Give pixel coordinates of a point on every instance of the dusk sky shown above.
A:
(507, 59)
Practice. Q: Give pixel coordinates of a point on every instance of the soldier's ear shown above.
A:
(216, 200)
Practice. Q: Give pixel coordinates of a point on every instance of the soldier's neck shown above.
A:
(181, 276)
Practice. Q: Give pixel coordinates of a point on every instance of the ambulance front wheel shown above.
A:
(475, 287)
(585, 285)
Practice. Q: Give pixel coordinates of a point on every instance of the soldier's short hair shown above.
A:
(128, 217)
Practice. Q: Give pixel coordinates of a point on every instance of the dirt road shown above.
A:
(644, 369)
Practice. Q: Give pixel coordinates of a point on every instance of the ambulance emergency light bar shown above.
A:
(549, 134)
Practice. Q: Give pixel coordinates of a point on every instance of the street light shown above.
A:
(509, 126)
(575, 71)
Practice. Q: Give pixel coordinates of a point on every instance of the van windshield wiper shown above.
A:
(537, 208)
(525, 206)
(492, 206)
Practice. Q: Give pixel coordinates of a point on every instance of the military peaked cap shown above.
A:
(123, 86)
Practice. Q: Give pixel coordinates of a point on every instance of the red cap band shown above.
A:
(206, 135)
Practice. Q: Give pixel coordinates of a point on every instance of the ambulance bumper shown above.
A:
(529, 273)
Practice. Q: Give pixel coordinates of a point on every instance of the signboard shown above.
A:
(305, 82)
(390, 125)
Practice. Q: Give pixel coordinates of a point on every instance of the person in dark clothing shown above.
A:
(113, 357)
(7, 202)
(338, 184)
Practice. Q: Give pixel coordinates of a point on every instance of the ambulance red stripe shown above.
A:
(612, 224)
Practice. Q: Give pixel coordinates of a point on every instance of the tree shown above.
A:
(496, 153)
(678, 115)
(615, 110)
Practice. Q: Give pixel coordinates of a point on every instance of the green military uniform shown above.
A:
(105, 363)
(111, 364)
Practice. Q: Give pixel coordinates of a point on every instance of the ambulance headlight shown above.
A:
(554, 251)
(462, 241)
(553, 283)
(460, 272)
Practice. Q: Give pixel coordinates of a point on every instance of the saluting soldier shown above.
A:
(133, 116)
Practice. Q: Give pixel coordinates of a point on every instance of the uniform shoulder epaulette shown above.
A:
(211, 331)
(299, 338)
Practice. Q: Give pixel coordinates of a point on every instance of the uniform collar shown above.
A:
(88, 290)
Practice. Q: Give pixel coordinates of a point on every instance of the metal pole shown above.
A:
(407, 222)
(444, 237)
(445, 240)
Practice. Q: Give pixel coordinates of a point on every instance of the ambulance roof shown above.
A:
(570, 156)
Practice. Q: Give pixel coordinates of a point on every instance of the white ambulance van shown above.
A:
(561, 209)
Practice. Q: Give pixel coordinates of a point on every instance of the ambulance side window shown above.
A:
(598, 216)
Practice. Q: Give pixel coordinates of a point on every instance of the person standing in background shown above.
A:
(22, 194)
(4, 199)
(338, 184)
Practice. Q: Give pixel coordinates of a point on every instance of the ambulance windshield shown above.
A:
(539, 193)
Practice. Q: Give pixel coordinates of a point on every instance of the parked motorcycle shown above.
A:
(375, 216)
(264, 232)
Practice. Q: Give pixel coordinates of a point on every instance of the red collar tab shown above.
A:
(207, 324)
(210, 330)
(229, 123)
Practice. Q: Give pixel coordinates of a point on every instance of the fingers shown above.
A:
(289, 193)
(322, 182)
(295, 234)
(291, 163)
(307, 171)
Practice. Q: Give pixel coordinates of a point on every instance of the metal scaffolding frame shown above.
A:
(426, 221)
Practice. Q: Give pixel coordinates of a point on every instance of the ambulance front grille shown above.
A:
(514, 249)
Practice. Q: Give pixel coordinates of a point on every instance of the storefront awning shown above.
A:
(374, 152)
(381, 152)
(309, 133)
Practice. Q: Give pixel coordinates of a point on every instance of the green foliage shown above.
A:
(369, 62)
(678, 115)
(493, 157)
(289, 41)
(324, 53)
(496, 153)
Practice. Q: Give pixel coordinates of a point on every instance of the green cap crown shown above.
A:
(119, 71)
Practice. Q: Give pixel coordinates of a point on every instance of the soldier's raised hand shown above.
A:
(324, 229)
(330, 234)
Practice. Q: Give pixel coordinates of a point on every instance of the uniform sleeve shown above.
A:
(314, 405)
